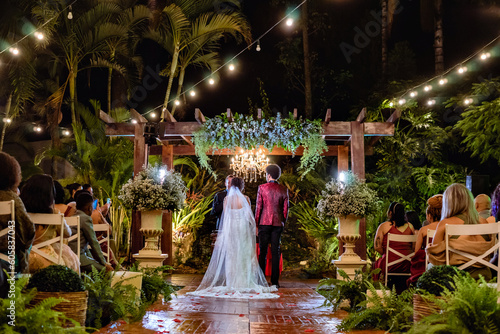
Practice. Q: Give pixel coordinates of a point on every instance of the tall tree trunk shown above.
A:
(384, 39)
(175, 57)
(53, 120)
(438, 37)
(5, 124)
(307, 62)
(72, 95)
(110, 80)
(180, 84)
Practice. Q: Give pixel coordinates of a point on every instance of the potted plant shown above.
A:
(61, 282)
(348, 199)
(432, 282)
(152, 191)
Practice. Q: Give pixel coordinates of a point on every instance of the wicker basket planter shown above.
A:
(75, 307)
(423, 308)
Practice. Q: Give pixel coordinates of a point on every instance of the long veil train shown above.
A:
(234, 271)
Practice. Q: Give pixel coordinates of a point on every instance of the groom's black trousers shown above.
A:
(270, 234)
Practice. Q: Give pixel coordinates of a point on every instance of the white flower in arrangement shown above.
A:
(350, 196)
(154, 188)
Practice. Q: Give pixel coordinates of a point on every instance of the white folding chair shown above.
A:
(7, 208)
(103, 228)
(476, 229)
(397, 238)
(430, 235)
(75, 221)
(49, 219)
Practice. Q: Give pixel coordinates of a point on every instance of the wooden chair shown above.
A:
(398, 238)
(7, 208)
(103, 228)
(75, 221)
(45, 219)
(430, 235)
(476, 229)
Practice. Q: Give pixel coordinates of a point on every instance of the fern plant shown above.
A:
(388, 311)
(469, 306)
(33, 319)
(154, 285)
(353, 290)
(108, 303)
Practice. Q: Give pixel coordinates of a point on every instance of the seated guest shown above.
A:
(412, 218)
(483, 207)
(433, 214)
(458, 209)
(38, 197)
(59, 198)
(93, 257)
(10, 178)
(395, 225)
(73, 188)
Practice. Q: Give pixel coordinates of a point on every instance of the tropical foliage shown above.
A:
(38, 319)
(249, 133)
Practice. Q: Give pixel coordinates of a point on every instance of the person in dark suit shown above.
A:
(218, 203)
(93, 257)
(271, 212)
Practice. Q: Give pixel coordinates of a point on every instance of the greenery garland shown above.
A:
(249, 133)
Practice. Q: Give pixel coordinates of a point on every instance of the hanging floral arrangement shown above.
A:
(249, 133)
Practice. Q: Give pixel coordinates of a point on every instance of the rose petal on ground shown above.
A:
(178, 315)
(177, 320)
(309, 330)
(288, 320)
(159, 320)
(242, 315)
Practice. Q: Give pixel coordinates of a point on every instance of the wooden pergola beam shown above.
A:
(138, 117)
(106, 118)
(198, 115)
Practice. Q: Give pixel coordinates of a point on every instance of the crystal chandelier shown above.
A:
(249, 165)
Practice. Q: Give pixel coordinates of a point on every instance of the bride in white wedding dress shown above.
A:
(234, 271)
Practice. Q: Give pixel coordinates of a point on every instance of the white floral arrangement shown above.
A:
(155, 188)
(349, 196)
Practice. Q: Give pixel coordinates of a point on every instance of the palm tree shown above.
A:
(191, 32)
(75, 41)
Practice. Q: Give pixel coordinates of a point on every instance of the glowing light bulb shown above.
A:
(468, 101)
(258, 48)
(391, 104)
(431, 102)
(231, 67)
(413, 94)
(289, 22)
(177, 102)
(485, 55)
(66, 133)
(462, 69)
(342, 177)
(428, 88)
(134, 121)
(211, 81)
(192, 93)
(443, 81)
(37, 129)
(39, 35)
(402, 101)
(7, 120)
(14, 51)
(153, 114)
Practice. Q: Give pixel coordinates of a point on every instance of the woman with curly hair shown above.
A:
(10, 178)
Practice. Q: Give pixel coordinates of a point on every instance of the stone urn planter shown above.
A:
(151, 228)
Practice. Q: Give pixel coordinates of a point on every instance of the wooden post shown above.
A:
(140, 161)
(358, 168)
(343, 158)
(167, 158)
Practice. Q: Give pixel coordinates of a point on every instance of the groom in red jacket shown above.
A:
(271, 212)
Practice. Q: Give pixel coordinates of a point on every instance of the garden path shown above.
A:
(298, 310)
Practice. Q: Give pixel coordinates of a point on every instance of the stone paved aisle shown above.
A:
(298, 310)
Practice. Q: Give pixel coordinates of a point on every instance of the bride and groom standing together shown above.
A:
(234, 271)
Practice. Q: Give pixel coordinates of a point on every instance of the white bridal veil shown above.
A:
(234, 271)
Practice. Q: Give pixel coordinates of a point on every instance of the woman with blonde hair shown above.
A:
(458, 209)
